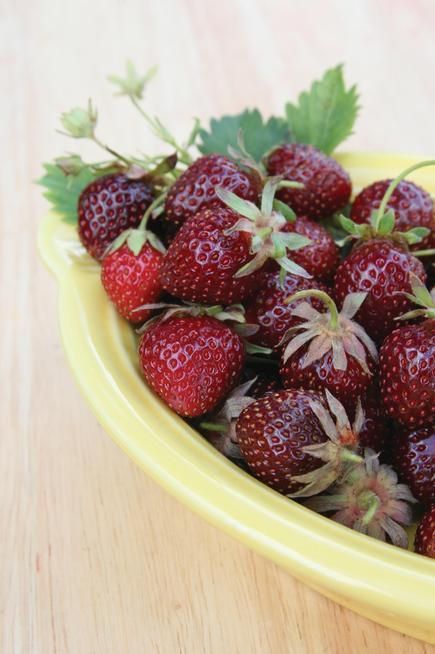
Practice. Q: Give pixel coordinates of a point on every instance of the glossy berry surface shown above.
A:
(376, 428)
(413, 457)
(195, 188)
(407, 374)
(381, 269)
(327, 185)
(191, 362)
(107, 207)
(202, 260)
(272, 432)
(321, 257)
(412, 206)
(132, 280)
(424, 542)
(346, 385)
(269, 311)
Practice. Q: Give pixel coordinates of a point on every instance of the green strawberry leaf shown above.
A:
(259, 136)
(62, 191)
(325, 115)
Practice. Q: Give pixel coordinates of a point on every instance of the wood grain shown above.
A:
(96, 558)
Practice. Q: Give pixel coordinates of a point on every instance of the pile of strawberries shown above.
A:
(295, 330)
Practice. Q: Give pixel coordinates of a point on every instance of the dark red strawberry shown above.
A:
(196, 187)
(321, 257)
(293, 443)
(217, 255)
(407, 374)
(220, 427)
(272, 433)
(191, 362)
(369, 500)
(271, 313)
(412, 206)
(327, 187)
(424, 542)
(414, 459)
(380, 269)
(107, 207)
(202, 260)
(329, 350)
(131, 280)
(375, 430)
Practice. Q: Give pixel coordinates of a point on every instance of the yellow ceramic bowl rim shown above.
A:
(384, 583)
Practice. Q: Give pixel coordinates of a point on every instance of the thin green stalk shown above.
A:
(323, 297)
(184, 156)
(110, 151)
(390, 190)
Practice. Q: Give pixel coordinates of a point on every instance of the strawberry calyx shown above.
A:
(369, 499)
(331, 330)
(222, 424)
(135, 238)
(233, 313)
(422, 297)
(339, 452)
(381, 227)
(266, 226)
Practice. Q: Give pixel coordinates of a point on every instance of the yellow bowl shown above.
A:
(382, 582)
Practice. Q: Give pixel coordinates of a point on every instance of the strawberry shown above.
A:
(412, 205)
(108, 206)
(407, 373)
(381, 269)
(326, 185)
(217, 255)
(270, 311)
(407, 364)
(413, 456)
(424, 542)
(220, 428)
(320, 258)
(370, 500)
(202, 260)
(330, 351)
(271, 433)
(130, 273)
(286, 437)
(191, 361)
(196, 187)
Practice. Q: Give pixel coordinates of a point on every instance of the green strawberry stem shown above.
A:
(157, 202)
(162, 133)
(350, 457)
(370, 500)
(390, 190)
(213, 426)
(424, 253)
(114, 153)
(323, 297)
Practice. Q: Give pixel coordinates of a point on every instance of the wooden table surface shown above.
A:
(96, 558)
